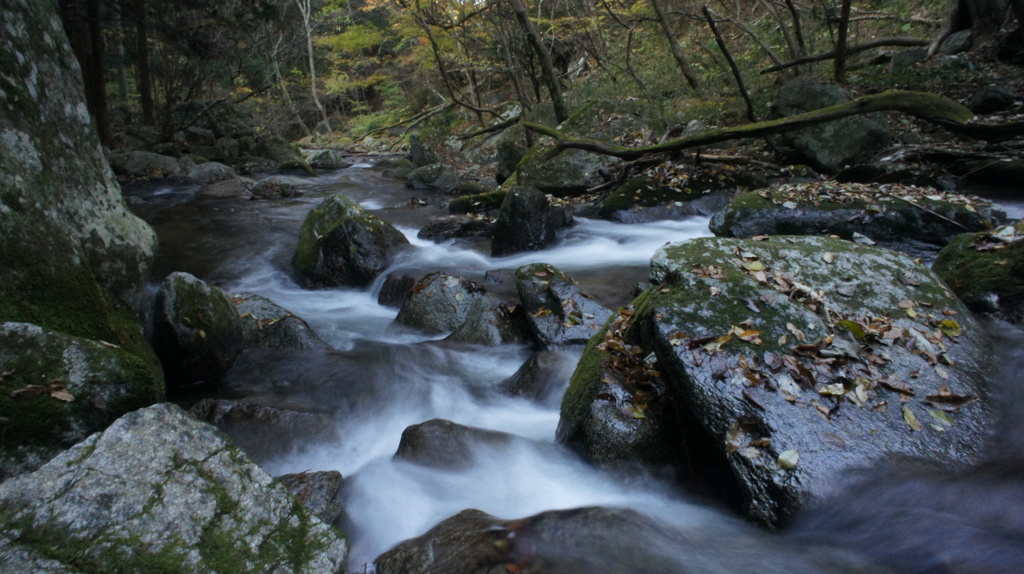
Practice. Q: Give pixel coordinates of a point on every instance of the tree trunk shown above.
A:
(306, 9)
(142, 65)
(839, 65)
(85, 33)
(677, 52)
(547, 68)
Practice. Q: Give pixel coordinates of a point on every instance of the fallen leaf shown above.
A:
(911, 418)
(950, 328)
(788, 459)
(62, 395)
(28, 392)
(855, 328)
(828, 257)
(753, 266)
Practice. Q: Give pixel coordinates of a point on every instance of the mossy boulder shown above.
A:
(327, 159)
(144, 165)
(159, 491)
(482, 203)
(439, 176)
(56, 389)
(439, 303)
(455, 227)
(986, 270)
(527, 221)
(558, 311)
(795, 358)
(830, 146)
(197, 332)
(340, 244)
(897, 216)
(278, 186)
(319, 491)
(397, 167)
(642, 199)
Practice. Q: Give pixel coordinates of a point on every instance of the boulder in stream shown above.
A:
(443, 444)
(160, 491)
(439, 303)
(340, 244)
(902, 217)
(527, 222)
(439, 176)
(493, 324)
(267, 324)
(144, 165)
(558, 311)
(456, 227)
(262, 431)
(197, 332)
(794, 358)
(278, 186)
(986, 270)
(317, 491)
(327, 159)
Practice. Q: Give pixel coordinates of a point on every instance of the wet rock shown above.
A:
(437, 176)
(484, 203)
(144, 165)
(798, 357)
(266, 324)
(956, 43)
(317, 491)
(74, 259)
(211, 172)
(443, 444)
(1007, 174)
(396, 286)
(642, 200)
(439, 303)
(160, 488)
(263, 432)
(543, 377)
(278, 150)
(327, 159)
(233, 188)
(557, 310)
(597, 540)
(277, 186)
(397, 167)
(455, 227)
(493, 324)
(875, 211)
(986, 270)
(340, 244)
(56, 389)
(991, 99)
(527, 222)
(196, 331)
(830, 146)
(474, 187)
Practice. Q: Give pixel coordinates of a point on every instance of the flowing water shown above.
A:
(383, 378)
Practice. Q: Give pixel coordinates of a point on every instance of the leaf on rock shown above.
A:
(753, 266)
(542, 312)
(62, 395)
(911, 418)
(716, 345)
(950, 328)
(855, 328)
(796, 332)
(897, 386)
(788, 459)
(828, 257)
(942, 420)
(27, 392)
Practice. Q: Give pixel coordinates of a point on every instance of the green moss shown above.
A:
(976, 275)
(320, 222)
(641, 191)
(479, 203)
(585, 382)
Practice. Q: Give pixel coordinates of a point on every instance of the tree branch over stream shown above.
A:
(925, 105)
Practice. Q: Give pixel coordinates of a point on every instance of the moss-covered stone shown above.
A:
(341, 244)
(481, 203)
(987, 272)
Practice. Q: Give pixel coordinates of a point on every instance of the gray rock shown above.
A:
(397, 167)
(443, 444)
(264, 432)
(144, 165)
(327, 159)
(543, 377)
(991, 99)
(160, 490)
(317, 491)
(455, 227)
(395, 288)
(340, 244)
(420, 153)
(439, 303)
(437, 176)
(558, 311)
(211, 172)
(830, 146)
(278, 150)
(277, 186)
(233, 188)
(58, 389)
(526, 222)
(196, 331)
(266, 324)
(956, 43)
(795, 358)
(907, 58)
(493, 325)
(597, 540)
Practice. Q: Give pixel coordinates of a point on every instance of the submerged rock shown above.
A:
(986, 270)
(267, 324)
(896, 215)
(596, 540)
(57, 389)
(558, 311)
(443, 444)
(159, 490)
(278, 186)
(340, 244)
(543, 377)
(263, 432)
(439, 303)
(197, 332)
(794, 358)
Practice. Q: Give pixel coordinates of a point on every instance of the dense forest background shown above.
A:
(335, 71)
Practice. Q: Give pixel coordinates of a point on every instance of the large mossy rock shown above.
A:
(596, 540)
(526, 222)
(895, 215)
(573, 172)
(830, 146)
(986, 270)
(558, 311)
(144, 165)
(794, 358)
(340, 244)
(439, 303)
(197, 332)
(439, 176)
(327, 159)
(56, 389)
(74, 259)
(159, 491)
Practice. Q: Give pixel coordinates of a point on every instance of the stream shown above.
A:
(383, 377)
